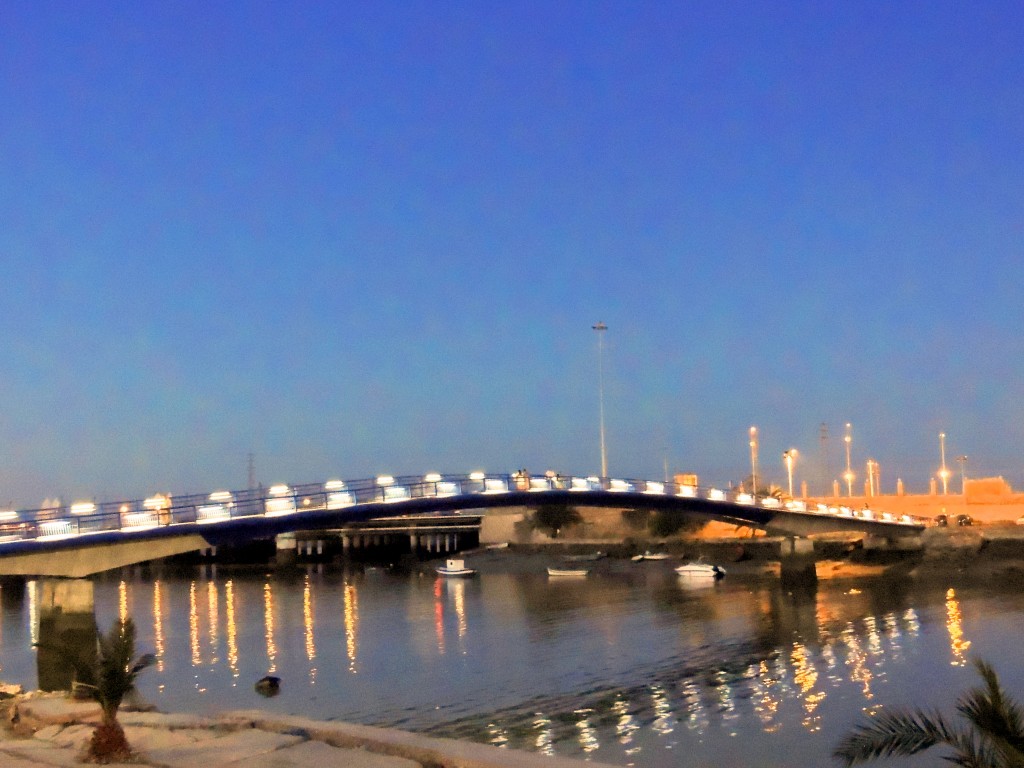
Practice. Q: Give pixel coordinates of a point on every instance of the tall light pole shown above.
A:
(963, 474)
(943, 472)
(789, 457)
(753, 459)
(872, 477)
(848, 476)
(601, 328)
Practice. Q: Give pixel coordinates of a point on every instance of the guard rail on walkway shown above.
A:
(83, 518)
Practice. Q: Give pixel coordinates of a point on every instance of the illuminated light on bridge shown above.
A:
(323, 505)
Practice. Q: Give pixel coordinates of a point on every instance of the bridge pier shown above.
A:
(286, 548)
(67, 619)
(877, 543)
(797, 563)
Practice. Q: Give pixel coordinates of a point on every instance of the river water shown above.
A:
(630, 665)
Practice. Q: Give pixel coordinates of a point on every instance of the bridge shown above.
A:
(86, 538)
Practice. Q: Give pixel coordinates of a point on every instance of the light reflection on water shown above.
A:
(620, 669)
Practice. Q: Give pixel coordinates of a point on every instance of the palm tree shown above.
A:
(108, 679)
(554, 517)
(992, 737)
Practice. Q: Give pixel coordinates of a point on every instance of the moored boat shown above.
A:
(648, 555)
(583, 558)
(455, 567)
(701, 571)
(567, 571)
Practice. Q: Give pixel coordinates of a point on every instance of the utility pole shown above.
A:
(827, 477)
(601, 328)
(753, 459)
(848, 438)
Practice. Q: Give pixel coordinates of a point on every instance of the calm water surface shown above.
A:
(629, 666)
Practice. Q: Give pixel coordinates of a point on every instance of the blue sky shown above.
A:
(355, 238)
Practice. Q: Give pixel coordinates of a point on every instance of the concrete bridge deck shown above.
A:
(87, 538)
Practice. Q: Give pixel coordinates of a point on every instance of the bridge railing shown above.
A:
(89, 517)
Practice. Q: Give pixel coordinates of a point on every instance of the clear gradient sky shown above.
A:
(355, 238)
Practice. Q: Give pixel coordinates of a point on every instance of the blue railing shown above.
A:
(82, 518)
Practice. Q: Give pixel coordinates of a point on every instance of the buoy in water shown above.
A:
(268, 686)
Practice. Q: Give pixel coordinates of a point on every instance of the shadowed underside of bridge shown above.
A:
(92, 553)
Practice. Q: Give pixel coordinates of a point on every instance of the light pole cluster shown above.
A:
(873, 483)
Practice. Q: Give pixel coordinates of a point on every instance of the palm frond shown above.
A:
(896, 734)
(997, 717)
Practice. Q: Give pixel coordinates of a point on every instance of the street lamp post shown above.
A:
(943, 472)
(848, 475)
(789, 457)
(753, 459)
(601, 328)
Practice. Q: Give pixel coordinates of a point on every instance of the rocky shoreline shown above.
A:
(51, 729)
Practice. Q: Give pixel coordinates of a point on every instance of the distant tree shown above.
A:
(662, 523)
(764, 490)
(552, 518)
(993, 736)
(108, 678)
(636, 519)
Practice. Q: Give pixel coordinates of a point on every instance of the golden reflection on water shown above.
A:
(122, 600)
(193, 625)
(351, 625)
(696, 714)
(268, 625)
(626, 726)
(805, 675)
(213, 620)
(33, 611)
(766, 703)
(439, 616)
(544, 742)
(459, 589)
(158, 624)
(664, 722)
(954, 625)
(857, 661)
(232, 628)
(586, 733)
(307, 623)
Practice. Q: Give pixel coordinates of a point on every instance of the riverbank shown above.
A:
(47, 729)
(977, 553)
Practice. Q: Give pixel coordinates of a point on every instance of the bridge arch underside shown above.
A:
(97, 552)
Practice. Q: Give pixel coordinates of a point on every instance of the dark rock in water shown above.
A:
(268, 686)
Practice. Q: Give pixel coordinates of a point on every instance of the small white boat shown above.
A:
(567, 571)
(651, 556)
(500, 545)
(701, 571)
(455, 568)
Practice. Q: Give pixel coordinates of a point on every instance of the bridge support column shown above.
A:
(286, 548)
(796, 560)
(903, 544)
(413, 542)
(346, 542)
(66, 618)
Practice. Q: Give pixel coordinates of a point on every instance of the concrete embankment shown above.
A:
(53, 730)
